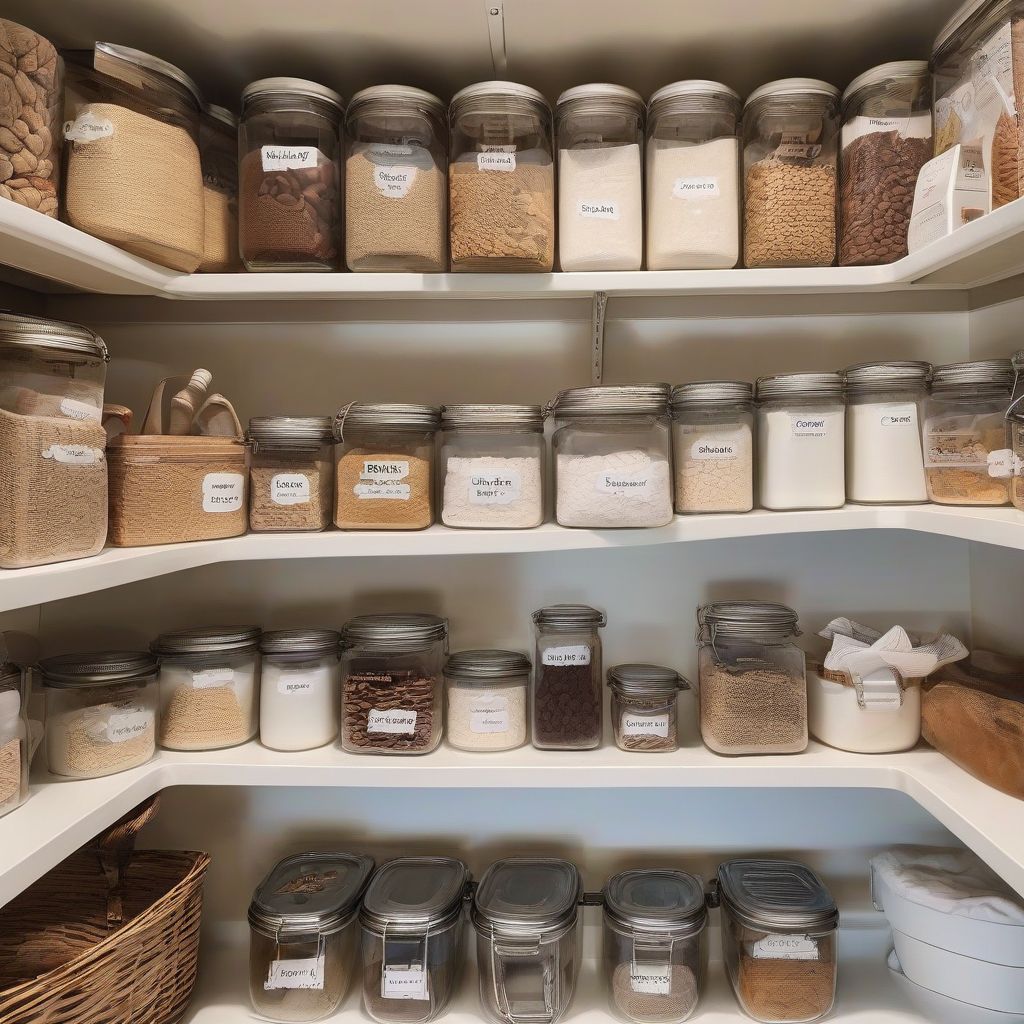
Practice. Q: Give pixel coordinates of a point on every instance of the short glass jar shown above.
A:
(644, 707)
(487, 699)
(801, 441)
(612, 448)
(15, 740)
(752, 690)
(218, 152)
(1015, 421)
(713, 446)
(501, 179)
(492, 466)
(101, 712)
(289, 143)
(790, 130)
(209, 687)
(693, 177)
(655, 945)
(300, 688)
(600, 132)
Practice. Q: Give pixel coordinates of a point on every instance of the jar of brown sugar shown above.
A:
(644, 707)
(218, 151)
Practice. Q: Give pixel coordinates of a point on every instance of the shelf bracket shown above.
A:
(597, 315)
(496, 33)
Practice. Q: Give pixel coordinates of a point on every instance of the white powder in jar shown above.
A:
(714, 467)
(801, 457)
(492, 492)
(487, 719)
(300, 702)
(884, 461)
(620, 489)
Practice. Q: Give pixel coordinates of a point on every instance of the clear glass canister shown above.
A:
(492, 466)
(289, 145)
(655, 945)
(600, 131)
(612, 448)
(392, 684)
(209, 687)
(291, 473)
(801, 441)
(884, 462)
(396, 187)
(645, 713)
(1015, 421)
(568, 702)
(886, 139)
(218, 151)
(14, 737)
(53, 470)
(501, 179)
(753, 690)
(412, 928)
(693, 177)
(302, 935)
(384, 458)
(779, 926)
(789, 168)
(101, 712)
(487, 699)
(713, 446)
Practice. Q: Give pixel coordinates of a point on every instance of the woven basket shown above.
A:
(110, 936)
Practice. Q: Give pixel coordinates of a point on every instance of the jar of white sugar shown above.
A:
(693, 188)
(492, 466)
(801, 430)
(487, 699)
(613, 455)
(599, 130)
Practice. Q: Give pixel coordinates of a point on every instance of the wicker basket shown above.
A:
(110, 936)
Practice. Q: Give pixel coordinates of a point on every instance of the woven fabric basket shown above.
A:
(109, 936)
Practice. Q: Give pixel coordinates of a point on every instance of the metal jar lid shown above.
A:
(494, 90)
(311, 643)
(527, 896)
(290, 433)
(208, 640)
(799, 385)
(221, 114)
(693, 94)
(641, 680)
(600, 96)
(977, 375)
(398, 94)
(658, 900)
(480, 418)
(291, 87)
(866, 378)
(569, 617)
(415, 631)
(776, 896)
(100, 668)
(748, 620)
(703, 393)
(487, 666)
(388, 416)
(613, 400)
(792, 87)
(150, 63)
(892, 71)
(413, 894)
(961, 16)
(37, 332)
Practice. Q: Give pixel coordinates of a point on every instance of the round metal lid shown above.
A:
(867, 377)
(291, 87)
(411, 894)
(34, 331)
(400, 93)
(523, 418)
(221, 114)
(412, 631)
(208, 640)
(487, 665)
(657, 900)
(613, 400)
(800, 385)
(10, 674)
(569, 616)
(146, 60)
(99, 668)
(887, 72)
(961, 16)
(386, 416)
(754, 619)
(527, 896)
(711, 392)
(290, 432)
(990, 374)
(793, 87)
(300, 641)
(639, 679)
(776, 896)
(495, 90)
(601, 91)
(696, 88)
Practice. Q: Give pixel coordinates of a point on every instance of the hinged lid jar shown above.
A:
(644, 708)
(487, 699)
(15, 740)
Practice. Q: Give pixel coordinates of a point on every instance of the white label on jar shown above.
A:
(651, 979)
(394, 182)
(577, 654)
(956, 441)
(389, 149)
(294, 686)
(128, 725)
(1001, 463)
(223, 492)
(808, 425)
(785, 947)
(902, 415)
(717, 447)
(386, 469)
(916, 126)
(495, 488)
(488, 712)
(384, 490)
(307, 973)
(696, 188)
(208, 678)
(73, 454)
(495, 161)
(288, 158)
(289, 489)
(797, 146)
(404, 983)
(87, 127)
(395, 721)
(76, 410)
(595, 209)
(645, 725)
(623, 485)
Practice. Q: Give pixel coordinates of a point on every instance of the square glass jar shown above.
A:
(644, 707)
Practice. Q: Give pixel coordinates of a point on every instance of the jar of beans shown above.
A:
(645, 713)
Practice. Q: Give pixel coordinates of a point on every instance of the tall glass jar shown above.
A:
(218, 151)
(396, 187)
(487, 699)
(600, 131)
(753, 691)
(693, 177)
(15, 740)
(1015, 420)
(289, 144)
(501, 179)
(789, 168)
(644, 707)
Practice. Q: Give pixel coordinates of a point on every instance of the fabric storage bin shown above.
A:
(487, 699)
(644, 707)
(218, 153)
(15, 741)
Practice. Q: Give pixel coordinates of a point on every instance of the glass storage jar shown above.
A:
(392, 683)
(655, 945)
(133, 174)
(302, 935)
(209, 687)
(1015, 420)
(14, 737)
(693, 177)
(218, 152)
(613, 454)
(53, 469)
(396, 187)
(885, 140)
(101, 712)
(527, 923)
(713, 446)
(789, 169)
(501, 179)
(412, 930)
(289, 144)
(801, 441)
(779, 926)
(385, 466)
(752, 690)
(965, 455)
(645, 713)
(300, 688)
(884, 462)
(600, 129)
(291, 473)
(487, 699)
(492, 466)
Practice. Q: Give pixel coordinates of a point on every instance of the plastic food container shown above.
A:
(14, 737)
(302, 935)
(487, 699)
(644, 707)
(526, 918)
(1015, 422)
(218, 152)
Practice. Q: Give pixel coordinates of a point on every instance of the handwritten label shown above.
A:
(223, 492)
(696, 188)
(598, 209)
(495, 488)
(395, 721)
(288, 158)
(623, 485)
(208, 678)
(73, 454)
(307, 973)
(76, 410)
(804, 425)
(129, 725)
(488, 713)
(644, 725)
(576, 654)
(495, 161)
(404, 983)
(785, 947)
(289, 489)
(651, 979)
(901, 415)
(87, 127)
(394, 182)
(290, 686)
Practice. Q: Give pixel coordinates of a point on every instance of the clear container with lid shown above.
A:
(644, 707)
(218, 151)
(289, 145)
(753, 688)
(790, 130)
(693, 177)
(412, 928)
(527, 923)
(101, 712)
(612, 448)
(302, 935)
(779, 926)
(885, 140)
(15, 740)
(1015, 421)
(600, 131)
(396, 181)
(487, 699)
(492, 466)
(501, 179)
(655, 945)
(209, 687)
(801, 441)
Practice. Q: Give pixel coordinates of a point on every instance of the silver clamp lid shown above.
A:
(568, 617)
(753, 620)
(414, 631)
(799, 385)
(977, 374)
(37, 332)
(662, 901)
(413, 895)
(487, 665)
(527, 896)
(100, 668)
(637, 679)
(290, 433)
(864, 378)
(703, 393)
(310, 642)
(612, 400)
(291, 87)
(515, 418)
(399, 93)
(387, 416)
(776, 896)
(208, 640)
